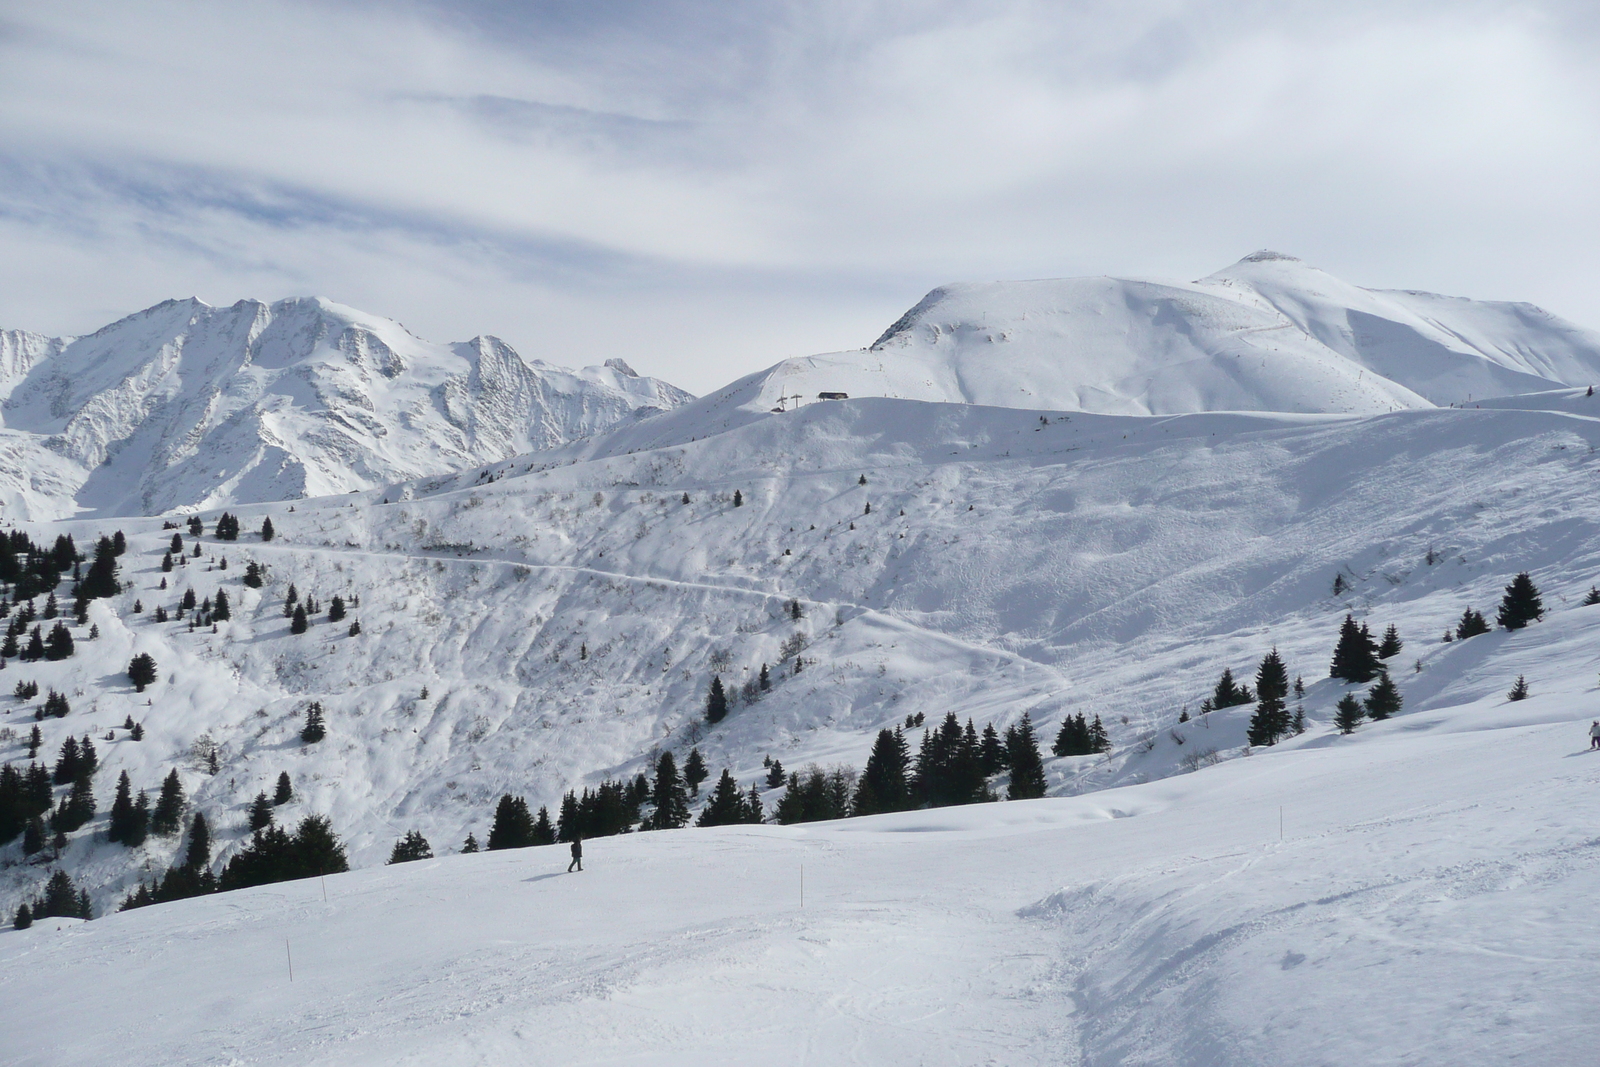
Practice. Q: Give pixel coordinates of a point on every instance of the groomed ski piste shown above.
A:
(1412, 893)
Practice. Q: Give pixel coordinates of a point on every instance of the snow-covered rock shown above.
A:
(187, 405)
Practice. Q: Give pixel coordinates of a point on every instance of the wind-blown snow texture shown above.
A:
(187, 405)
(565, 611)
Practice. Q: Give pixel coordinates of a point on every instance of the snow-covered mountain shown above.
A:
(1269, 333)
(187, 405)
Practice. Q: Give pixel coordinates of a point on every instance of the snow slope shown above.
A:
(1428, 902)
(187, 405)
(1269, 333)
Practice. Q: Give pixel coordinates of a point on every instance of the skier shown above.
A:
(1594, 734)
(577, 855)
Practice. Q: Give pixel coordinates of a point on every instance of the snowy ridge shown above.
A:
(1269, 333)
(186, 405)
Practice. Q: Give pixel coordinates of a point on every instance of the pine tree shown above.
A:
(543, 832)
(252, 575)
(101, 580)
(1521, 603)
(298, 623)
(1099, 740)
(261, 815)
(1592, 598)
(66, 768)
(1471, 625)
(694, 770)
(672, 805)
(410, 848)
(775, 774)
(1392, 644)
(24, 917)
(355, 628)
(315, 728)
(1022, 756)
(139, 824)
(794, 610)
(76, 809)
(991, 753)
(285, 790)
(59, 646)
(1347, 713)
(469, 845)
(1519, 690)
(1271, 718)
(883, 785)
(290, 599)
(267, 531)
(167, 819)
(35, 739)
(198, 856)
(336, 608)
(220, 611)
(716, 702)
(513, 826)
(752, 806)
(142, 671)
(726, 804)
(1383, 699)
(1355, 656)
(118, 827)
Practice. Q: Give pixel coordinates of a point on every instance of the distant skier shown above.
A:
(577, 855)
(1594, 734)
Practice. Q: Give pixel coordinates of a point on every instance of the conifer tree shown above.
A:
(1592, 597)
(284, 791)
(883, 785)
(716, 701)
(1099, 740)
(252, 575)
(33, 836)
(24, 916)
(355, 628)
(775, 774)
(141, 671)
(66, 769)
(1392, 644)
(543, 832)
(991, 753)
(59, 645)
(672, 805)
(315, 728)
(336, 608)
(261, 815)
(290, 599)
(1347, 714)
(765, 680)
(298, 622)
(1471, 625)
(1022, 756)
(167, 818)
(794, 610)
(220, 611)
(752, 806)
(176, 546)
(1383, 699)
(139, 823)
(198, 856)
(101, 579)
(513, 826)
(1521, 603)
(410, 848)
(726, 804)
(1355, 657)
(1519, 690)
(694, 770)
(469, 845)
(34, 651)
(267, 531)
(1271, 719)
(119, 826)
(76, 809)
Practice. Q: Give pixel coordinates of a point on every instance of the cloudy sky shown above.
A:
(704, 187)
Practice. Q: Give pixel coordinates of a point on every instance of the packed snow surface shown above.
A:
(187, 405)
(1428, 899)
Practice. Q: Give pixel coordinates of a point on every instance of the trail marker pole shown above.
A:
(290, 956)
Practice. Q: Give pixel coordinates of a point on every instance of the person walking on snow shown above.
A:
(1594, 734)
(577, 855)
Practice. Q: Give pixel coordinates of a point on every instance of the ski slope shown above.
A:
(1427, 902)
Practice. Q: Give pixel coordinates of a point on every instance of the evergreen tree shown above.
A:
(24, 917)
(252, 575)
(774, 773)
(716, 702)
(176, 547)
(1383, 699)
(198, 857)
(1227, 694)
(315, 728)
(267, 531)
(142, 671)
(59, 645)
(336, 608)
(1592, 597)
(469, 845)
(285, 790)
(1347, 714)
(1519, 690)
(794, 610)
(167, 818)
(569, 822)
(543, 832)
(1471, 625)
(1392, 644)
(672, 805)
(991, 753)
(752, 806)
(1099, 740)
(1355, 656)
(119, 826)
(1022, 756)
(33, 836)
(261, 815)
(1074, 737)
(139, 824)
(67, 762)
(726, 804)
(1521, 603)
(101, 580)
(76, 809)
(513, 826)
(883, 785)
(196, 527)
(694, 770)
(34, 651)
(1271, 719)
(119, 543)
(298, 622)
(220, 611)
(765, 681)
(61, 898)
(290, 600)
(355, 628)
(411, 847)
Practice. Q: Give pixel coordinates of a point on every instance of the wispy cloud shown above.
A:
(702, 187)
